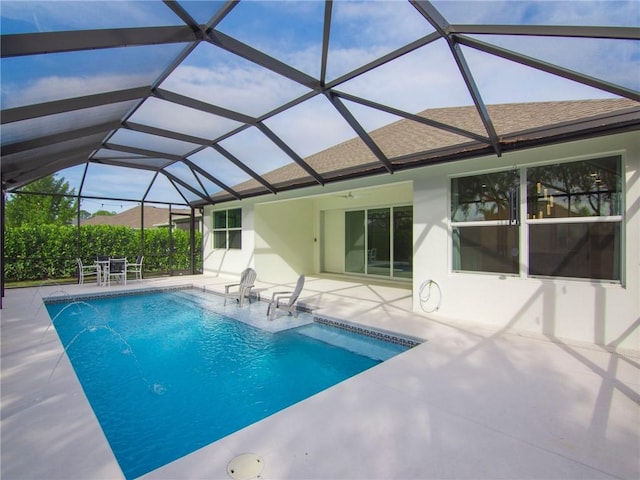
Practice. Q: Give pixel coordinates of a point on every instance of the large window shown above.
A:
(484, 218)
(379, 241)
(572, 220)
(227, 229)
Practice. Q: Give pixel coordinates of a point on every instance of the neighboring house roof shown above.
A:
(408, 143)
(153, 217)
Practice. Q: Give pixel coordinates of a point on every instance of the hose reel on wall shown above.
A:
(430, 295)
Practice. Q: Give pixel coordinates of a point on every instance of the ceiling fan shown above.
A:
(351, 196)
(348, 196)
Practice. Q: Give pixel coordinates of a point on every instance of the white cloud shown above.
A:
(364, 31)
(541, 12)
(426, 78)
(57, 87)
(52, 15)
(170, 116)
(502, 81)
(604, 59)
(378, 22)
(588, 12)
(107, 181)
(247, 89)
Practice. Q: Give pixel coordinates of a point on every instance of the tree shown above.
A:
(103, 213)
(48, 200)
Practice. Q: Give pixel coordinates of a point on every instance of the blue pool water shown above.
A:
(167, 376)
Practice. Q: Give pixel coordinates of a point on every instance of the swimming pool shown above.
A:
(166, 374)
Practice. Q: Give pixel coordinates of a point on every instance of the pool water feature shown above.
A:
(165, 374)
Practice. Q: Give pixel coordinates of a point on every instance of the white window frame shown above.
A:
(525, 222)
(226, 229)
(483, 223)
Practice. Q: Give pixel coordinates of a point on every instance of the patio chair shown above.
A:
(118, 270)
(136, 267)
(88, 271)
(103, 262)
(239, 291)
(285, 300)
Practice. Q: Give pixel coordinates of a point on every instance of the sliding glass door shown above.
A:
(354, 245)
(403, 242)
(379, 241)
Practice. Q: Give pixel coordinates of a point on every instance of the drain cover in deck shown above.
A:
(245, 467)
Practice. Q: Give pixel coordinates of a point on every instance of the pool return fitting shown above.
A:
(428, 298)
(247, 466)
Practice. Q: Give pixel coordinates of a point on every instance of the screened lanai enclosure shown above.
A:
(183, 104)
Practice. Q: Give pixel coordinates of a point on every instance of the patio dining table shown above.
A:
(105, 269)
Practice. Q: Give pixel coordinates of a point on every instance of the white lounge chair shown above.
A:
(88, 271)
(242, 290)
(118, 270)
(136, 267)
(285, 300)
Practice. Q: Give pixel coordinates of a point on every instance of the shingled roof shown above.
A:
(410, 143)
(153, 217)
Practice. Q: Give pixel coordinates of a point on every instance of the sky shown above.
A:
(361, 31)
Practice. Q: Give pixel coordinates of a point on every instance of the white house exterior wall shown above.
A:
(285, 240)
(287, 235)
(232, 261)
(595, 312)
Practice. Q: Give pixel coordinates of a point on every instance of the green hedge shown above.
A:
(50, 251)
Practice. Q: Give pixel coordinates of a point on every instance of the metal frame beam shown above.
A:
(433, 16)
(326, 33)
(220, 15)
(243, 50)
(202, 106)
(415, 45)
(185, 17)
(185, 185)
(229, 156)
(161, 132)
(289, 151)
(192, 33)
(211, 178)
(70, 104)
(549, 68)
(415, 118)
(56, 138)
(614, 33)
(22, 44)
(142, 151)
(54, 163)
(353, 123)
(115, 162)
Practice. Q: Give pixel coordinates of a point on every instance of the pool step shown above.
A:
(354, 342)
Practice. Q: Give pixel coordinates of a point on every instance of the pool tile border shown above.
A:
(387, 337)
(120, 293)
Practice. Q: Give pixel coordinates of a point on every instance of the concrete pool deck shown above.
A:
(471, 402)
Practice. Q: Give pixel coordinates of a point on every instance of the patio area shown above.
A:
(470, 402)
